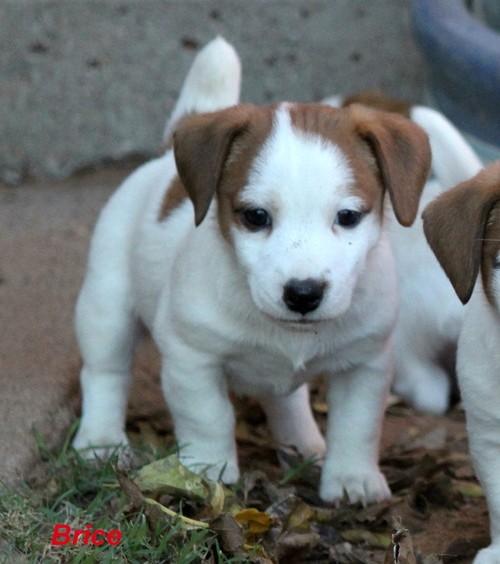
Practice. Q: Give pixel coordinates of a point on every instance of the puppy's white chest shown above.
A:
(281, 366)
(263, 372)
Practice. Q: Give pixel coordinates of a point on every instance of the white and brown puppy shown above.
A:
(283, 273)
(463, 228)
(430, 315)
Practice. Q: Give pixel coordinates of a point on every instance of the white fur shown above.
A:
(478, 368)
(453, 159)
(217, 316)
(212, 83)
(430, 313)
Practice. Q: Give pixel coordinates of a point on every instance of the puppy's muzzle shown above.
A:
(303, 296)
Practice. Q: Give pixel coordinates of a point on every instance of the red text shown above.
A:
(62, 534)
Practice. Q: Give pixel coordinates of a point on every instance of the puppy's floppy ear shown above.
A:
(455, 224)
(201, 146)
(403, 155)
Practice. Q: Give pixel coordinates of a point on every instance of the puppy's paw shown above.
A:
(313, 449)
(489, 555)
(92, 446)
(429, 395)
(435, 401)
(227, 471)
(357, 484)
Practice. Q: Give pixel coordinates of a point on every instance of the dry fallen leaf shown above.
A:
(169, 476)
(255, 522)
(376, 540)
(469, 489)
(153, 509)
(230, 533)
(300, 517)
(291, 542)
(217, 498)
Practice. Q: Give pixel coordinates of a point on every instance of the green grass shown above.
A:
(76, 492)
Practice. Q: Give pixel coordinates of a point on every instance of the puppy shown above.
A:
(463, 229)
(430, 315)
(285, 272)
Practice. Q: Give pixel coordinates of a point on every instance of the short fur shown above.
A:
(463, 228)
(212, 295)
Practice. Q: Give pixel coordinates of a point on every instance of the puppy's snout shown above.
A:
(303, 296)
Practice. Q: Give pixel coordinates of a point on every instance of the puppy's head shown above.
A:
(299, 192)
(463, 228)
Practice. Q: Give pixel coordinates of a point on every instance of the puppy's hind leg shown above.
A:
(292, 422)
(423, 384)
(106, 330)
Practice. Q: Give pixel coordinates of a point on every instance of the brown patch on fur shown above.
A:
(336, 127)
(238, 164)
(384, 150)
(213, 154)
(458, 225)
(379, 101)
(403, 154)
(173, 198)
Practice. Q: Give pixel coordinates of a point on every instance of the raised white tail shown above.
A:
(453, 159)
(212, 83)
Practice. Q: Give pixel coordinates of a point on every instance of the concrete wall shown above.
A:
(84, 81)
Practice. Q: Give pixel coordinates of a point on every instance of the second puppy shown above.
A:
(463, 228)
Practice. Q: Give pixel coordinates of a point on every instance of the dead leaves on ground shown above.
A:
(275, 514)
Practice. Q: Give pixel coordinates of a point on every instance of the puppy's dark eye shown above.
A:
(348, 218)
(256, 219)
(496, 263)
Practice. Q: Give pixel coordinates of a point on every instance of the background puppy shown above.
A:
(430, 315)
(463, 229)
(289, 274)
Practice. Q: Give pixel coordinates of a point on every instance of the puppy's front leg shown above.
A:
(195, 389)
(356, 401)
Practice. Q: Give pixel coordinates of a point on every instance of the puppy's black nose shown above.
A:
(303, 296)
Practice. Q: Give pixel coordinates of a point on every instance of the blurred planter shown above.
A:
(462, 55)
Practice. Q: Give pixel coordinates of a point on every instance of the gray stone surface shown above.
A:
(84, 81)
